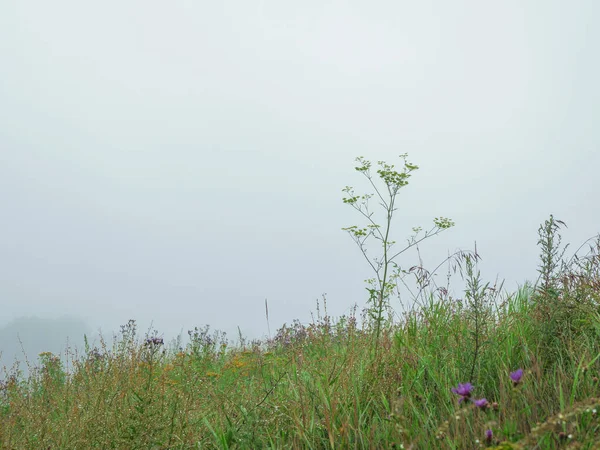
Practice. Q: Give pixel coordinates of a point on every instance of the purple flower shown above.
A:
(482, 403)
(516, 376)
(489, 435)
(464, 390)
(154, 341)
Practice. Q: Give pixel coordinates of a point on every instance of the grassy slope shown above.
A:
(324, 386)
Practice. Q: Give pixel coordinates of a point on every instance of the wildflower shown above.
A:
(464, 390)
(482, 403)
(154, 341)
(488, 436)
(516, 376)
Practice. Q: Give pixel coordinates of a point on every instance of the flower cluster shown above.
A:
(154, 341)
(465, 390)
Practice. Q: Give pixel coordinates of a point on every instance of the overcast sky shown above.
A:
(182, 161)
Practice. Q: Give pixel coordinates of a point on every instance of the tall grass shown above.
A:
(322, 385)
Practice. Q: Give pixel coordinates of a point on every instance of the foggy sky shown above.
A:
(179, 162)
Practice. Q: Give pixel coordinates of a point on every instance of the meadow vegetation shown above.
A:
(482, 369)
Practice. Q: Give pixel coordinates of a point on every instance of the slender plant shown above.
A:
(551, 254)
(390, 182)
(480, 299)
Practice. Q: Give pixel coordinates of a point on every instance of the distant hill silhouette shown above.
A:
(39, 335)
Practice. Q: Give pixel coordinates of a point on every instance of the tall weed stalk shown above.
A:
(381, 286)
